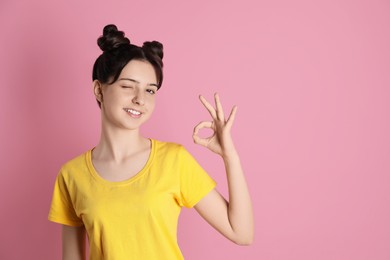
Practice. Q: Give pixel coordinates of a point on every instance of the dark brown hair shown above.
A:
(118, 51)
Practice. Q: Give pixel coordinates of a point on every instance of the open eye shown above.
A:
(151, 91)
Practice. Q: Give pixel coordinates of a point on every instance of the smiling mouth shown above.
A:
(132, 111)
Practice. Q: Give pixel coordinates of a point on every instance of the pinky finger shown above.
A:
(231, 118)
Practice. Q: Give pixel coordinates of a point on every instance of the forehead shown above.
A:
(141, 71)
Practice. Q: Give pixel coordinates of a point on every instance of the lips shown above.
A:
(132, 112)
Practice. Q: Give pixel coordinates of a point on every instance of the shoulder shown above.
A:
(75, 165)
(172, 150)
(168, 146)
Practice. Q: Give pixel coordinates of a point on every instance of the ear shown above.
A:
(97, 90)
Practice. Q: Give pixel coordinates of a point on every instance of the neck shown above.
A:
(117, 144)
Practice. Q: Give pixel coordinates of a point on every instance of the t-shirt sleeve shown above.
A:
(62, 210)
(195, 183)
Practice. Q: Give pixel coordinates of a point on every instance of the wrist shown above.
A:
(230, 155)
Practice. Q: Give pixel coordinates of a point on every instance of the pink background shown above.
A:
(310, 78)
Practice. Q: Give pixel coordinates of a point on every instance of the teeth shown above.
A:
(134, 112)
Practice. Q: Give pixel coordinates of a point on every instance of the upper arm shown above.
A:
(214, 209)
(73, 243)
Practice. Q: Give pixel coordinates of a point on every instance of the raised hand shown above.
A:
(235, 217)
(220, 141)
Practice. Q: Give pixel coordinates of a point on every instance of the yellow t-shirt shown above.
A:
(136, 218)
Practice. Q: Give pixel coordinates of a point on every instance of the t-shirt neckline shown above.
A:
(142, 172)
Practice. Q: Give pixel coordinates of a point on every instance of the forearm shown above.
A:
(240, 210)
(234, 219)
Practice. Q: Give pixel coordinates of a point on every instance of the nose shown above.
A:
(139, 98)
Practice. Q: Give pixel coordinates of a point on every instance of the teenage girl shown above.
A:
(126, 193)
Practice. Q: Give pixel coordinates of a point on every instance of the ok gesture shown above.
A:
(220, 141)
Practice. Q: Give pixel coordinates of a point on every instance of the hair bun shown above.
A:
(154, 47)
(111, 38)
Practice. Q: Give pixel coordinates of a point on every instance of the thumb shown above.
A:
(197, 139)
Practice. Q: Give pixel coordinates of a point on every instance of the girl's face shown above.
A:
(129, 101)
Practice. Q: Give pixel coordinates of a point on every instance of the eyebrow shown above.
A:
(136, 81)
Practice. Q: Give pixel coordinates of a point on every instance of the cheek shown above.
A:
(116, 98)
(153, 105)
